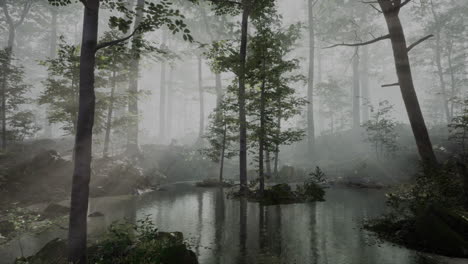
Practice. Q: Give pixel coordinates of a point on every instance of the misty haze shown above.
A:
(233, 131)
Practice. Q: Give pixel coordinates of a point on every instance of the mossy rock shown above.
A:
(436, 235)
(6, 228)
(178, 254)
(54, 252)
(55, 210)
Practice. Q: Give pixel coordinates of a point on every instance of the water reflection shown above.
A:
(238, 232)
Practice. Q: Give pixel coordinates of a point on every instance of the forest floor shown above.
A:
(35, 178)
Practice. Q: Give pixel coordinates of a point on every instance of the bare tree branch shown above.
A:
(378, 10)
(7, 14)
(404, 3)
(410, 47)
(390, 84)
(117, 41)
(360, 43)
(26, 8)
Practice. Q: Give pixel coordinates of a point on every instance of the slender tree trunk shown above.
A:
(223, 154)
(202, 101)
(452, 79)
(162, 104)
(310, 86)
(170, 101)
(6, 66)
(321, 106)
(219, 89)
(12, 26)
(440, 73)
(365, 83)
(405, 80)
(77, 234)
(356, 93)
(261, 141)
(275, 168)
(241, 97)
(133, 128)
(52, 55)
(109, 116)
(268, 163)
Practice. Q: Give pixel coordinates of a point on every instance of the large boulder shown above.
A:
(54, 252)
(55, 210)
(442, 231)
(6, 228)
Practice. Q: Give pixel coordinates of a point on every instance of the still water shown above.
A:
(227, 231)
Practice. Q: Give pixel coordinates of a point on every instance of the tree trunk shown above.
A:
(132, 144)
(6, 65)
(170, 101)
(162, 104)
(356, 93)
(52, 55)
(365, 83)
(82, 162)
(261, 138)
(241, 97)
(405, 80)
(275, 168)
(219, 89)
(202, 101)
(440, 73)
(310, 86)
(268, 163)
(452, 79)
(223, 153)
(109, 116)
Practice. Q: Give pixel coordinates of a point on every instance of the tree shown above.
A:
(157, 15)
(6, 61)
(113, 64)
(381, 130)
(310, 81)
(19, 123)
(222, 132)
(248, 8)
(335, 104)
(391, 9)
(271, 97)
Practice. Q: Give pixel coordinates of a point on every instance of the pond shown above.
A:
(227, 231)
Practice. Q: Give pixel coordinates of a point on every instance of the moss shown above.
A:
(124, 243)
(434, 230)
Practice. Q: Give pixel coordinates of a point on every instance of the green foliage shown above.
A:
(62, 90)
(20, 122)
(222, 131)
(335, 104)
(442, 187)
(459, 129)
(140, 243)
(381, 130)
(318, 176)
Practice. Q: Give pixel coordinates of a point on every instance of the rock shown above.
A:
(436, 235)
(178, 254)
(96, 214)
(55, 210)
(45, 158)
(54, 252)
(170, 237)
(6, 228)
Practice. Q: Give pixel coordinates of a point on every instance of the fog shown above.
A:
(324, 98)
